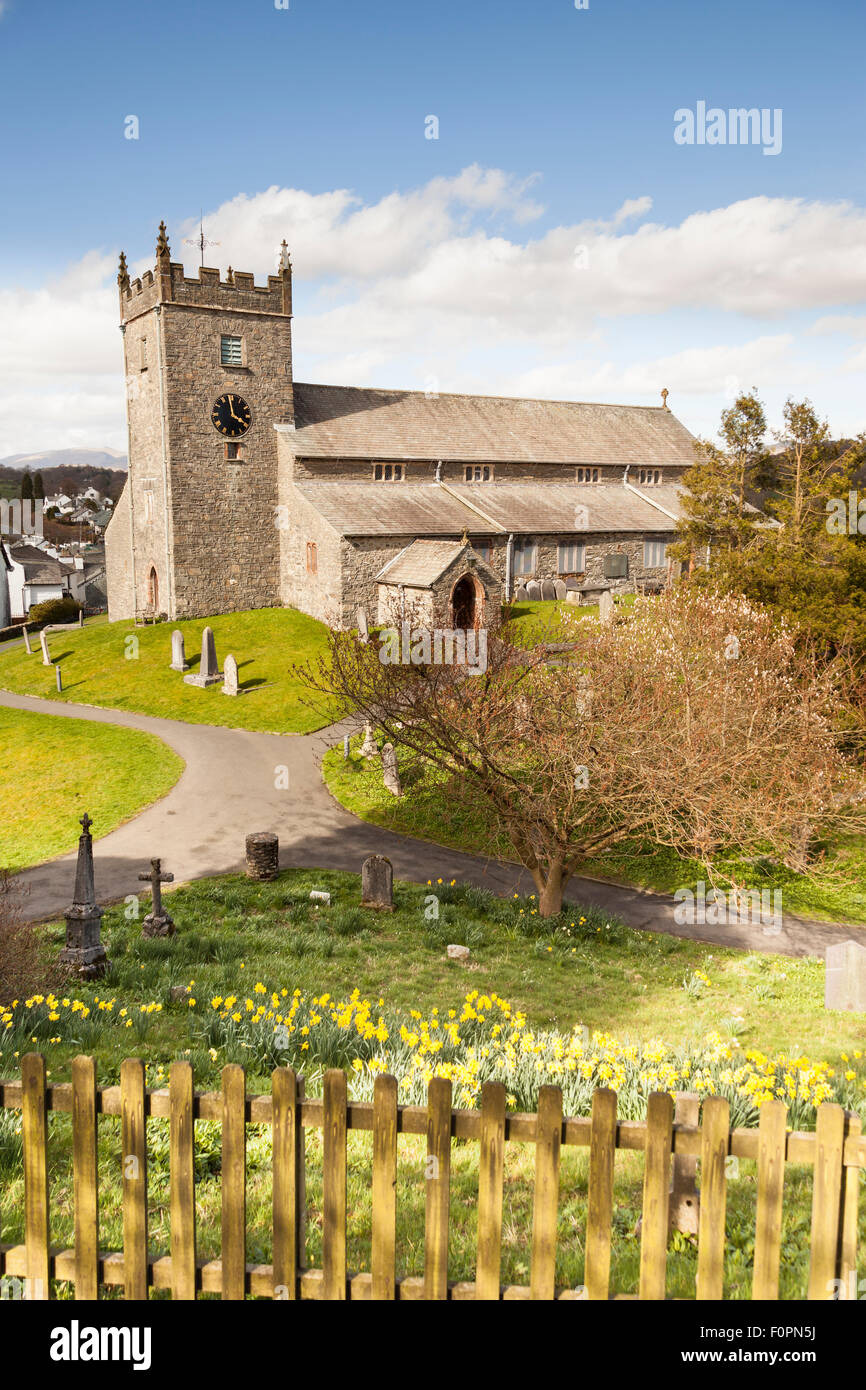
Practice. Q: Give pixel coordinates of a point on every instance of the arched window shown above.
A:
(153, 589)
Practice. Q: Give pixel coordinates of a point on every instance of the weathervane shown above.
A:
(201, 241)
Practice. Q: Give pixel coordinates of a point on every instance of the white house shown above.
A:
(34, 578)
(5, 602)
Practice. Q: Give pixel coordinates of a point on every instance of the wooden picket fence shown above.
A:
(836, 1151)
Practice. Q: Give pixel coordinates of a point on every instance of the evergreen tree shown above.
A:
(26, 486)
(38, 487)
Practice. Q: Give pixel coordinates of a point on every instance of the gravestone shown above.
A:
(208, 671)
(363, 630)
(572, 584)
(263, 856)
(533, 589)
(574, 597)
(548, 589)
(845, 977)
(157, 922)
(84, 953)
(377, 883)
(43, 642)
(520, 594)
(230, 681)
(178, 655)
(27, 640)
(559, 588)
(390, 773)
(605, 606)
(369, 748)
(346, 747)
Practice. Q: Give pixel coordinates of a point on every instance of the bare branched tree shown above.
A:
(699, 724)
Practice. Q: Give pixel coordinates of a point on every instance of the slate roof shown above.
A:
(421, 563)
(388, 509)
(353, 422)
(428, 509)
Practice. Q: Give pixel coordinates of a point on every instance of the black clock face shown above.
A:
(231, 415)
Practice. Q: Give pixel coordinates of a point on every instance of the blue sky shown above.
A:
(726, 266)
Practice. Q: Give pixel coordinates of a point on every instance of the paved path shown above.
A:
(229, 788)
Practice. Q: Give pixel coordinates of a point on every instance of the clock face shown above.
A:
(231, 415)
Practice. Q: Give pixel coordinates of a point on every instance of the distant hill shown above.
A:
(66, 470)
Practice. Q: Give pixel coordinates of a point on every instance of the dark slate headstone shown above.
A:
(84, 953)
(572, 584)
(520, 594)
(559, 588)
(548, 589)
(377, 883)
(533, 589)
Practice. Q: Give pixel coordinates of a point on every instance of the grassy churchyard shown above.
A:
(52, 770)
(120, 666)
(576, 1002)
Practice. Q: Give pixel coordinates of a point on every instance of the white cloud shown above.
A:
(447, 281)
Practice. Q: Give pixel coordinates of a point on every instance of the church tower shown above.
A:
(208, 368)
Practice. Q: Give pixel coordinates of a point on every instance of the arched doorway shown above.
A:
(467, 601)
(153, 590)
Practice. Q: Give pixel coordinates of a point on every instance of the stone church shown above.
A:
(247, 489)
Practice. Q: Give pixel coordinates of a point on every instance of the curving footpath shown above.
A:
(232, 785)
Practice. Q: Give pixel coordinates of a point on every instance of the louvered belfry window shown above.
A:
(231, 351)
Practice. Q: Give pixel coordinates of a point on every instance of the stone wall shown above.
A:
(118, 561)
(318, 594)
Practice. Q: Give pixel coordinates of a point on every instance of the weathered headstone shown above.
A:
(230, 677)
(377, 883)
(574, 597)
(605, 606)
(845, 977)
(521, 594)
(559, 588)
(178, 655)
(346, 742)
(548, 589)
(390, 774)
(27, 645)
(363, 630)
(157, 922)
(43, 642)
(533, 589)
(369, 748)
(84, 953)
(263, 855)
(208, 671)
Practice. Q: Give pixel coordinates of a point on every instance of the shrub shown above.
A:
(55, 610)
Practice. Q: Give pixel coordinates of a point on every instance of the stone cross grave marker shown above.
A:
(390, 773)
(157, 922)
(208, 672)
(178, 655)
(845, 977)
(84, 953)
(377, 883)
(230, 682)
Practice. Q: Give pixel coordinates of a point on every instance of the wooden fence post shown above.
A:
(288, 1188)
(384, 1234)
(334, 1185)
(182, 1179)
(599, 1213)
(826, 1201)
(133, 1144)
(85, 1178)
(234, 1183)
(711, 1240)
(847, 1260)
(548, 1138)
(656, 1195)
(438, 1182)
(491, 1160)
(34, 1128)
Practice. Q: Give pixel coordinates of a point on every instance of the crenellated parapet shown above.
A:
(168, 283)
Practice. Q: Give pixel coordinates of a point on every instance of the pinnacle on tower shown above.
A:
(123, 273)
(230, 276)
(163, 250)
(285, 262)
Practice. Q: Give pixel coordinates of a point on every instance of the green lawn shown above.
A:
(836, 891)
(119, 666)
(234, 935)
(52, 770)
